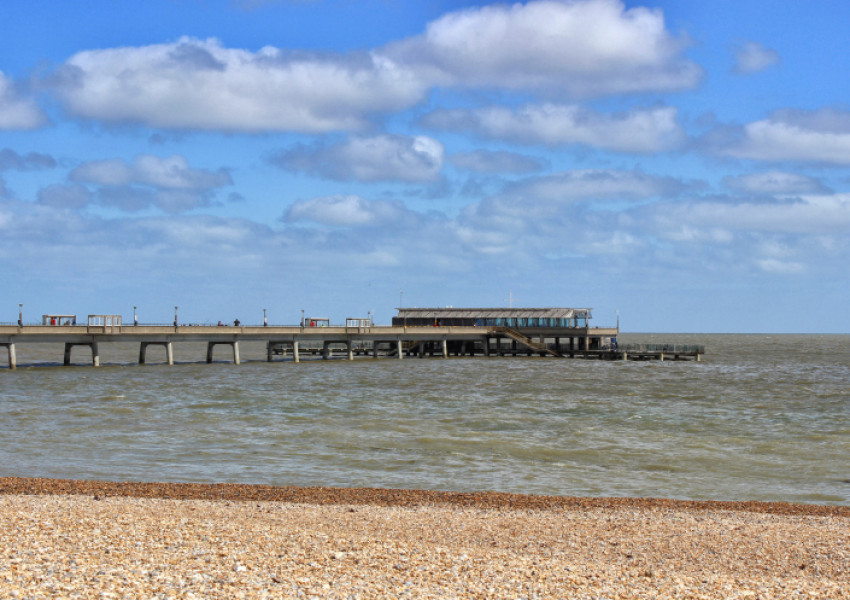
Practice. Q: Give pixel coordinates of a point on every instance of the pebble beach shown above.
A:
(85, 539)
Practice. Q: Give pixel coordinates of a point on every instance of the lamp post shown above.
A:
(20, 315)
(135, 318)
(265, 321)
(302, 318)
(175, 316)
(369, 314)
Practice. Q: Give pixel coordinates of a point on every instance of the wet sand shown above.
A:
(84, 539)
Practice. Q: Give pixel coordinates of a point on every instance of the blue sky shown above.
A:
(681, 164)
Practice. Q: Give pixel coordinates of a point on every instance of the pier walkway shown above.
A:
(377, 341)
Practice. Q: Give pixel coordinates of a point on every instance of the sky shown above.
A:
(679, 166)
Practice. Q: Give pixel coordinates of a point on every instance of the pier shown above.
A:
(561, 333)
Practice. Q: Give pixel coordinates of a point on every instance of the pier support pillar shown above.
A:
(661, 357)
(445, 348)
(400, 353)
(269, 350)
(375, 349)
(295, 353)
(95, 355)
(326, 350)
(13, 362)
(234, 345)
(486, 346)
(143, 348)
(350, 350)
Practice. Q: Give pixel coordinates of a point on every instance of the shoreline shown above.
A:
(238, 492)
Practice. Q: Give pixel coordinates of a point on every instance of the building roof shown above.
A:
(493, 313)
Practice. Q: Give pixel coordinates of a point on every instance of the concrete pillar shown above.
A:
(486, 346)
(295, 352)
(375, 349)
(269, 351)
(326, 350)
(234, 345)
(10, 347)
(661, 357)
(350, 350)
(445, 348)
(398, 345)
(95, 355)
(143, 350)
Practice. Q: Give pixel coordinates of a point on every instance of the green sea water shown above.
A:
(761, 417)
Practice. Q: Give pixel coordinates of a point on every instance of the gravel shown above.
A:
(86, 539)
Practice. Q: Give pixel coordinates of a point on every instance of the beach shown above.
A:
(88, 539)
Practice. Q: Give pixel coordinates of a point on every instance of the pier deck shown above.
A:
(385, 341)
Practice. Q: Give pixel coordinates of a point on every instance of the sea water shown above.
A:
(761, 417)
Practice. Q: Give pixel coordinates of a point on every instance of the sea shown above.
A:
(761, 417)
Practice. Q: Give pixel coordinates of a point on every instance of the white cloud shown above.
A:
(821, 136)
(374, 158)
(751, 57)
(592, 185)
(808, 215)
(579, 48)
(11, 160)
(774, 265)
(346, 211)
(777, 183)
(640, 130)
(167, 183)
(501, 161)
(198, 84)
(73, 196)
(172, 172)
(582, 48)
(17, 112)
